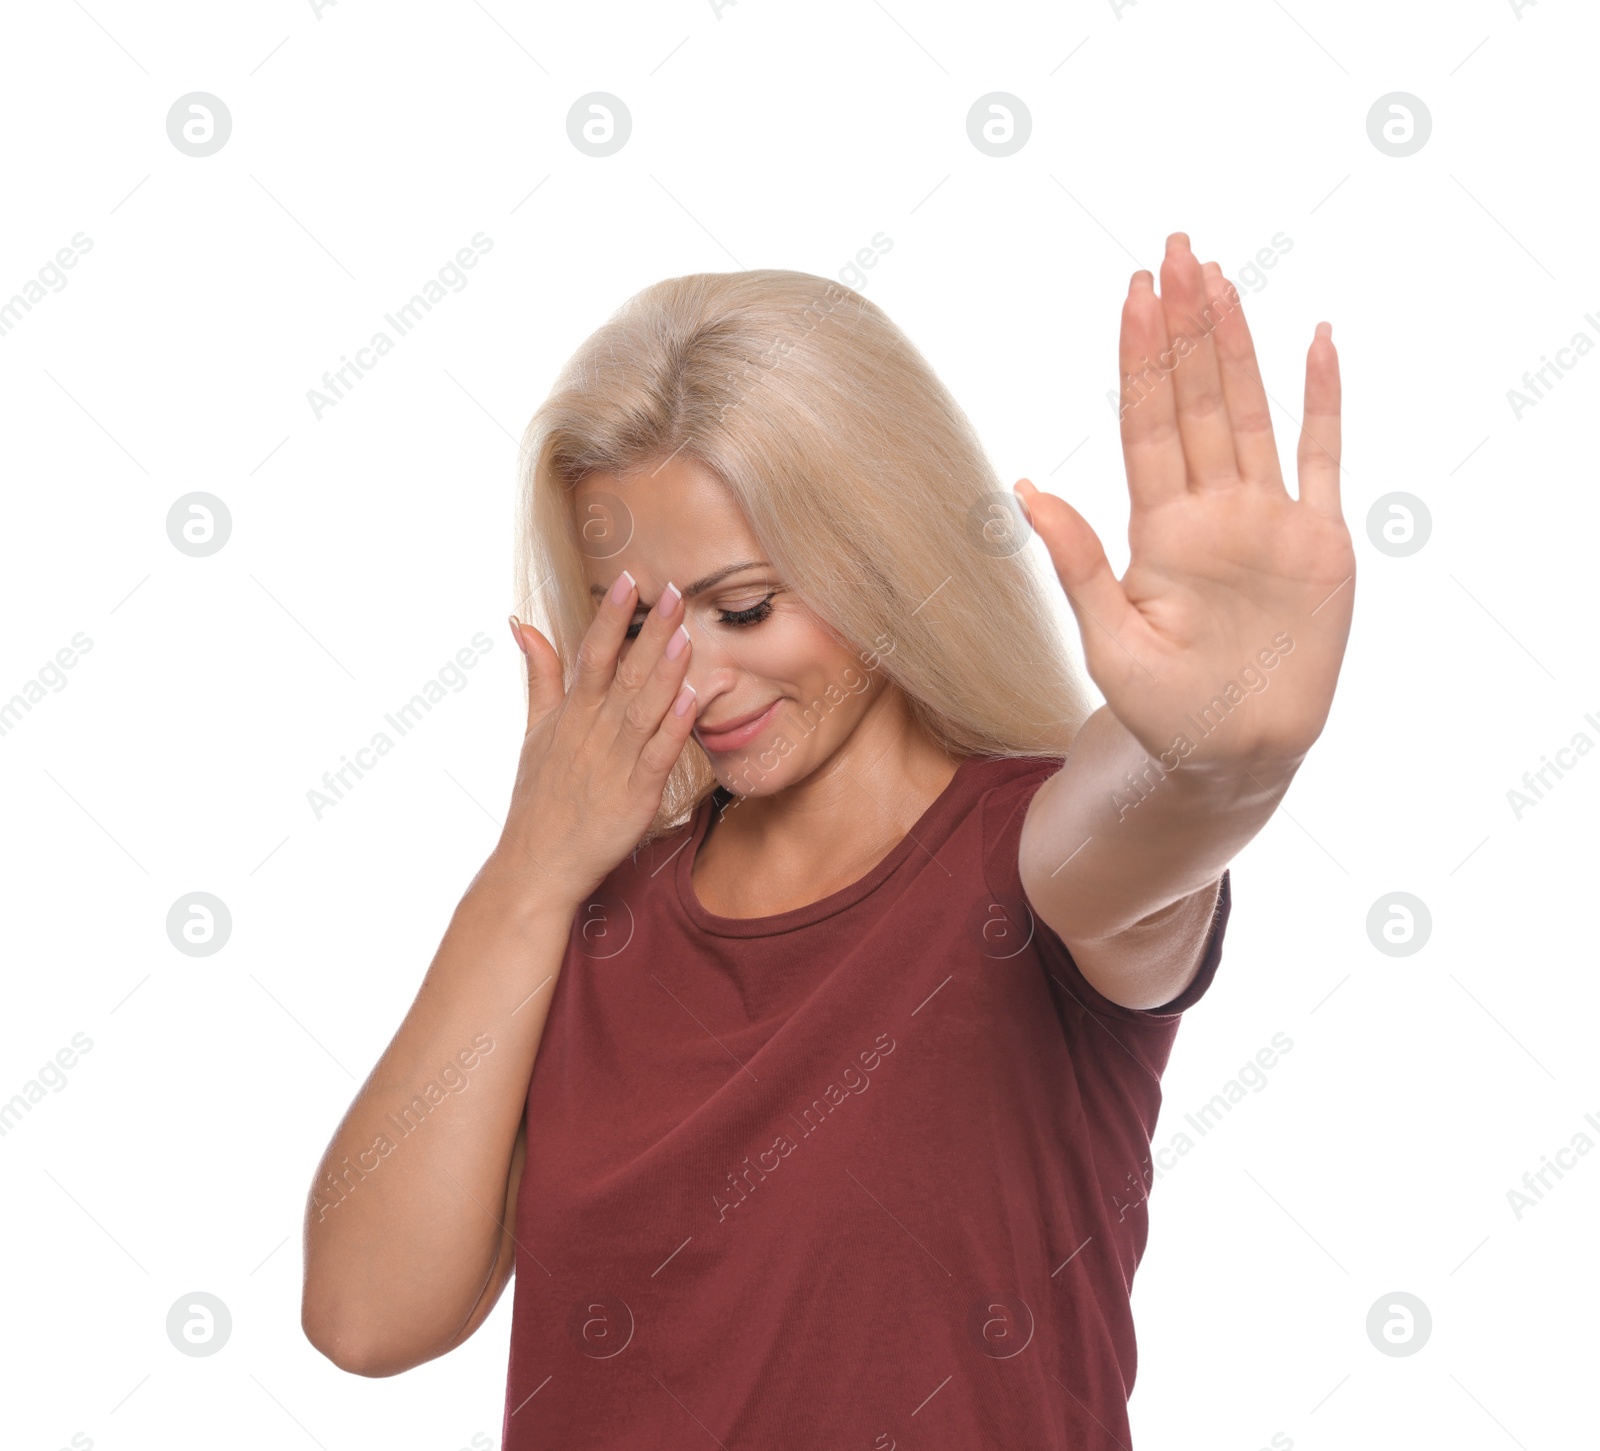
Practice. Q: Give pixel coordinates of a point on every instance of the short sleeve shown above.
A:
(1005, 807)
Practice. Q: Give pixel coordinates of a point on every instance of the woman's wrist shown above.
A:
(525, 888)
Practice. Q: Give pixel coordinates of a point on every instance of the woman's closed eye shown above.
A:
(750, 615)
(734, 618)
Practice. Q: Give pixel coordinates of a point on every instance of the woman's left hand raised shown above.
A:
(1229, 625)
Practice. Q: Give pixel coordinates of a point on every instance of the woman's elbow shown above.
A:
(353, 1347)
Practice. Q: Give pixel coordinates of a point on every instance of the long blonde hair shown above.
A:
(859, 474)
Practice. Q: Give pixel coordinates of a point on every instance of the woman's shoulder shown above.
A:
(1004, 787)
(1010, 774)
(1013, 765)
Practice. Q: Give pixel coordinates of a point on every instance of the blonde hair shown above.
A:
(859, 474)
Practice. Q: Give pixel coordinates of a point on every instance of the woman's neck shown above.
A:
(765, 854)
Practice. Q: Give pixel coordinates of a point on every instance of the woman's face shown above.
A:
(756, 649)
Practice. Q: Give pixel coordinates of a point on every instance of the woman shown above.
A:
(806, 1072)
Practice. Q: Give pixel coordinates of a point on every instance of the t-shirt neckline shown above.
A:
(924, 834)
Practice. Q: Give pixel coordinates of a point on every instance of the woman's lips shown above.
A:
(740, 735)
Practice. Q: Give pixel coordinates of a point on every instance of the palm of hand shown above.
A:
(1229, 625)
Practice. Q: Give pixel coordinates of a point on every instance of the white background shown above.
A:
(369, 545)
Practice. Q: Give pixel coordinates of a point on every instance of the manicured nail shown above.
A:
(1177, 239)
(622, 588)
(1027, 513)
(669, 600)
(685, 699)
(678, 643)
(516, 633)
(1324, 329)
(1142, 278)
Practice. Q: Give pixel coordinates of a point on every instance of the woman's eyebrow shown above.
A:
(700, 586)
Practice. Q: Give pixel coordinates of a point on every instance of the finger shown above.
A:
(1152, 453)
(1202, 409)
(1318, 454)
(635, 667)
(1099, 602)
(645, 706)
(545, 688)
(1253, 444)
(602, 643)
(662, 750)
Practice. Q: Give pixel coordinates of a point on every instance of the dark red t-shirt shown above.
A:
(867, 1174)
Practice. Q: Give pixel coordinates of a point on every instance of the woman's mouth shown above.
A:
(738, 732)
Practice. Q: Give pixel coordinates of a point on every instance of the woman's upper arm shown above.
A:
(1151, 962)
(1114, 984)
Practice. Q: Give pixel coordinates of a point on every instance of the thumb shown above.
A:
(545, 688)
(1092, 588)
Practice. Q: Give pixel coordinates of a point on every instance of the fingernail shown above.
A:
(685, 699)
(1027, 513)
(669, 599)
(516, 633)
(1177, 239)
(678, 643)
(1324, 329)
(622, 588)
